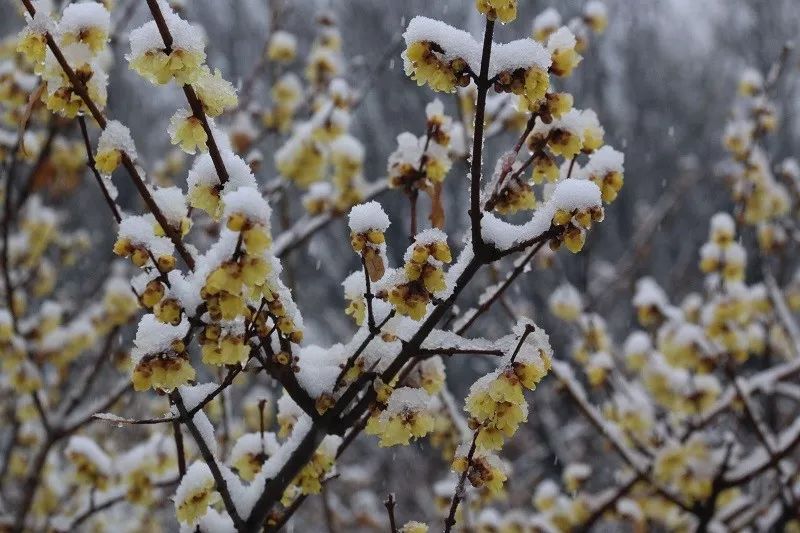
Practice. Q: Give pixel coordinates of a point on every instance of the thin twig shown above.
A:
(475, 212)
(390, 503)
(112, 205)
(458, 495)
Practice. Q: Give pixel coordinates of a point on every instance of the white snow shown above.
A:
(80, 445)
(569, 194)
(248, 202)
(154, 337)
(198, 476)
(549, 19)
(172, 203)
(522, 53)
(116, 136)
(368, 216)
(84, 15)
(184, 35)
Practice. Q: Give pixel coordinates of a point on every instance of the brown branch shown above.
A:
(363, 346)
(179, 449)
(475, 212)
(210, 460)
(425, 352)
(90, 374)
(112, 205)
(390, 504)
(609, 502)
(368, 296)
(766, 439)
(232, 373)
(10, 171)
(194, 102)
(512, 276)
(459, 492)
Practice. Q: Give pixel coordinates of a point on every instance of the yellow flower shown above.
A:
(302, 161)
(516, 197)
(158, 67)
(424, 66)
(536, 84)
(215, 93)
(206, 198)
(32, 45)
(186, 131)
(496, 405)
(282, 47)
(106, 161)
(94, 37)
(563, 53)
(195, 494)
(152, 293)
(574, 239)
(596, 19)
(558, 104)
(503, 10)
(414, 527)
(357, 309)
(228, 350)
(406, 416)
(92, 465)
(408, 301)
(309, 480)
(564, 143)
(165, 371)
(486, 470)
(544, 168)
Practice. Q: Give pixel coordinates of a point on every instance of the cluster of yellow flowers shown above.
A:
(142, 466)
(426, 66)
(310, 478)
(423, 163)
(82, 35)
(324, 63)
(575, 132)
(287, 96)
(368, 223)
(761, 199)
(41, 233)
(575, 224)
(721, 254)
(516, 196)
(485, 470)
(414, 527)
(322, 149)
(422, 274)
(183, 62)
(605, 169)
(495, 403)
(687, 466)
(229, 285)
(320, 155)
(166, 370)
(400, 415)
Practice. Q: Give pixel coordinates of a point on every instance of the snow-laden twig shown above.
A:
(634, 459)
(307, 226)
(80, 88)
(782, 311)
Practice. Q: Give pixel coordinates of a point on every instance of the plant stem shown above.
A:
(475, 212)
